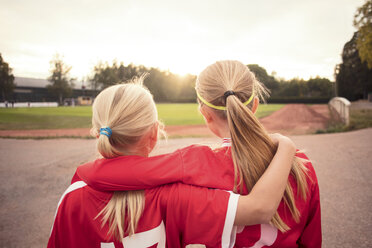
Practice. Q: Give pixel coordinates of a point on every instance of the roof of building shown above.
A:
(42, 83)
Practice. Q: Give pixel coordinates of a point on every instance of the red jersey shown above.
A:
(199, 165)
(174, 215)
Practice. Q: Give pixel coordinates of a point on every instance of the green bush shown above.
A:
(359, 119)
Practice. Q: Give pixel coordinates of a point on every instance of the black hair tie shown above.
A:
(228, 93)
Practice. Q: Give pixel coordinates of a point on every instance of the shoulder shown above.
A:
(199, 149)
(79, 192)
(198, 154)
(204, 152)
(75, 188)
(69, 202)
(311, 174)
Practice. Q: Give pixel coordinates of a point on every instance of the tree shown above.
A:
(295, 87)
(320, 87)
(6, 80)
(261, 74)
(353, 77)
(104, 76)
(164, 85)
(363, 22)
(61, 86)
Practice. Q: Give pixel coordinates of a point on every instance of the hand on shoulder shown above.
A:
(283, 141)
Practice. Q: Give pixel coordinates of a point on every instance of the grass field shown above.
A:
(80, 117)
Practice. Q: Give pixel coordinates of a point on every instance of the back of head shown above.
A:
(227, 75)
(251, 147)
(129, 111)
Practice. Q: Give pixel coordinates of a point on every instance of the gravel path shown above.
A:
(34, 174)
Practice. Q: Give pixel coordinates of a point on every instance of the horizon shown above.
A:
(290, 39)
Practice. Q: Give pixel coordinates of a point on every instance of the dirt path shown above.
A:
(35, 173)
(297, 119)
(291, 119)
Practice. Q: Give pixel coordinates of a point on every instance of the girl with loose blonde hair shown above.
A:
(122, 125)
(126, 125)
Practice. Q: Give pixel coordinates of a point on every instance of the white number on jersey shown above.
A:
(143, 239)
(267, 238)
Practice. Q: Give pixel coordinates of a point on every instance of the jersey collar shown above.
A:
(226, 142)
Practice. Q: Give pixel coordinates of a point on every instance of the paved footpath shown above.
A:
(34, 174)
(343, 163)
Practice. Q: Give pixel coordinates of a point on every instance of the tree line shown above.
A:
(169, 87)
(165, 85)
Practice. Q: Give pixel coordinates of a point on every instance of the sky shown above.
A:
(290, 38)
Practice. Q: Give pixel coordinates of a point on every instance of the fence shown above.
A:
(340, 106)
(27, 104)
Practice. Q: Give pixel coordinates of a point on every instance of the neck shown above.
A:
(136, 152)
(221, 129)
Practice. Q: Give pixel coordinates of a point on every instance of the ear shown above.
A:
(153, 137)
(256, 102)
(154, 132)
(207, 116)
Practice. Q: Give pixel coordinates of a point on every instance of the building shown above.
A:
(34, 90)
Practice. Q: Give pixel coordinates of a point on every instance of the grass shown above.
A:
(45, 118)
(267, 109)
(80, 116)
(359, 119)
(179, 114)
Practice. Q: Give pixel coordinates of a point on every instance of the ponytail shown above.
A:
(252, 150)
(251, 147)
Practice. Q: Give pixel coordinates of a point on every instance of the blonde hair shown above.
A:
(251, 147)
(130, 112)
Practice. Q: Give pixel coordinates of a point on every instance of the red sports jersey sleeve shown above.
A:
(189, 165)
(132, 172)
(312, 233)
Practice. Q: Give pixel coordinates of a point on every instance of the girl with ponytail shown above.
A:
(229, 94)
(126, 125)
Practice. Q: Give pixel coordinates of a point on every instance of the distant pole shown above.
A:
(83, 86)
(337, 68)
(336, 93)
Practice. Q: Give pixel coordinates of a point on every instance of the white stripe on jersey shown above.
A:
(226, 142)
(72, 187)
(229, 230)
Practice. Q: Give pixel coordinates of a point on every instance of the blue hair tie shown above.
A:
(106, 131)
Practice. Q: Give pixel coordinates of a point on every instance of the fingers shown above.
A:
(275, 137)
(280, 139)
